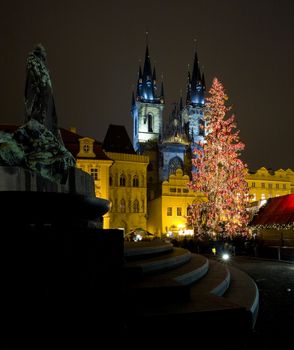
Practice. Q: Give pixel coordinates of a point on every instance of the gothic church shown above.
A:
(169, 144)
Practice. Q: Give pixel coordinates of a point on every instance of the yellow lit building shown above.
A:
(168, 213)
(91, 159)
(120, 175)
(128, 191)
(264, 184)
(127, 181)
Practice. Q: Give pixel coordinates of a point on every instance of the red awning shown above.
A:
(279, 210)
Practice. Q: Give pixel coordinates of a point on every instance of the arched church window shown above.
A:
(150, 122)
(123, 206)
(122, 180)
(135, 181)
(174, 164)
(136, 206)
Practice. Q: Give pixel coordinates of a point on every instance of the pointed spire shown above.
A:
(133, 99)
(195, 73)
(147, 85)
(147, 75)
(197, 87)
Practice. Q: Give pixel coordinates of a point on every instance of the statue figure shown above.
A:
(39, 101)
(37, 145)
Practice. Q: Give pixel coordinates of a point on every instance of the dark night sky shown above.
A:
(94, 48)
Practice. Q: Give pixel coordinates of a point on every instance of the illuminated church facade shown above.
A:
(169, 144)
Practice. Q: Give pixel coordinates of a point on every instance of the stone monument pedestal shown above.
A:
(62, 279)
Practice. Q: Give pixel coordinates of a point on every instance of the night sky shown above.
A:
(94, 50)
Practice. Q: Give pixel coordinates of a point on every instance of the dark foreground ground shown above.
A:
(274, 328)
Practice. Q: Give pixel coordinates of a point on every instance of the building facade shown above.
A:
(127, 181)
(264, 184)
(91, 158)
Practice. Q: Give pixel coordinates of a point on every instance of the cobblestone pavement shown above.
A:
(274, 328)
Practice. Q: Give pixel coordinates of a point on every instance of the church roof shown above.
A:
(278, 210)
(117, 140)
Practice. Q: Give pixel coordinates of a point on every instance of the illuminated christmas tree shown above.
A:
(219, 173)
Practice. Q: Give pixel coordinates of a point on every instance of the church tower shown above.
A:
(147, 108)
(174, 144)
(193, 112)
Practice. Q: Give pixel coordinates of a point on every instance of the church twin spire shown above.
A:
(147, 85)
(195, 85)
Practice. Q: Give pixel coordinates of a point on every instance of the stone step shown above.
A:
(243, 291)
(146, 248)
(172, 284)
(216, 281)
(189, 291)
(155, 264)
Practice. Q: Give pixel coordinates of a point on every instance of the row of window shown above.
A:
(270, 185)
(133, 207)
(169, 211)
(93, 172)
(178, 190)
(123, 181)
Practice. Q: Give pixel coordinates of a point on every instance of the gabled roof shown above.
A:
(71, 142)
(278, 210)
(117, 140)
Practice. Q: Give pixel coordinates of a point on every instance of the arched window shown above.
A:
(174, 164)
(123, 206)
(110, 180)
(135, 181)
(136, 206)
(122, 180)
(150, 122)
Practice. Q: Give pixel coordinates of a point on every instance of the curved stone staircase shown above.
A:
(169, 289)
